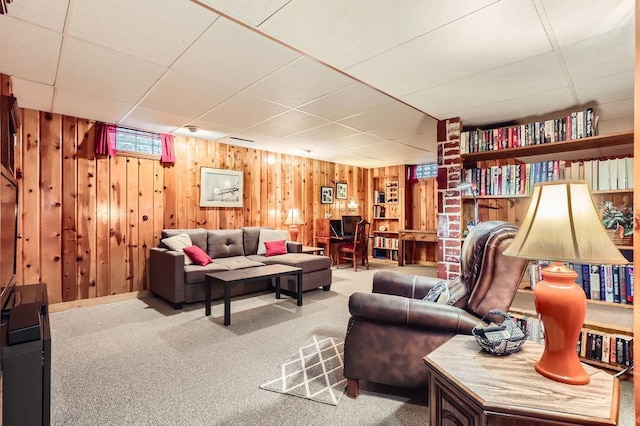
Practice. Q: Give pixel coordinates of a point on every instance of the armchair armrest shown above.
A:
(411, 312)
(406, 285)
(166, 274)
(294, 247)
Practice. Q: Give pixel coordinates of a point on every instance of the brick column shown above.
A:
(449, 202)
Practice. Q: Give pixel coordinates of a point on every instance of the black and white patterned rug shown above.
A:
(313, 372)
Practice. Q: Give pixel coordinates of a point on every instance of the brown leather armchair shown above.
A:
(392, 328)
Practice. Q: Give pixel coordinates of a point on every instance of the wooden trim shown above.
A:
(65, 306)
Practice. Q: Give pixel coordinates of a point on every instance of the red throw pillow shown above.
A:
(198, 255)
(275, 248)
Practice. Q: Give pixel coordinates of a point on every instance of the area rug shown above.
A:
(313, 372)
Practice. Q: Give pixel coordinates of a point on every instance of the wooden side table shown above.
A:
(471, 387)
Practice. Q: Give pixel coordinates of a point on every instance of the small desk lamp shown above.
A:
(467, 186)
(562, 225)
(293, 219)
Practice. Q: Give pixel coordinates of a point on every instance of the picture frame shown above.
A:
(326, 195)
(221, 188)
(341, 191)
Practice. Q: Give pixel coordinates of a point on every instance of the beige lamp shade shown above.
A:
(562, 224)
(293, 218)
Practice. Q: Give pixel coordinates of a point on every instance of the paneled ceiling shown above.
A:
(358, 82)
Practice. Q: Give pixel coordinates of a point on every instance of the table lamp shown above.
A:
(468, 186)
(562, 225)
(293, 220)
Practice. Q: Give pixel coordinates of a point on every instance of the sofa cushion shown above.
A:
(195, 273)
(269, 235)
(198, 236)
(308, 262)
(225, 243)
(197, 255)
(275, 248)
(238, 262)
(251, 235)
(178, 243)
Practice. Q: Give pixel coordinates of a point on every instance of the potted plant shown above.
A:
(618, 221)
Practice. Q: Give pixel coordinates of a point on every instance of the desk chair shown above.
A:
(358, 249)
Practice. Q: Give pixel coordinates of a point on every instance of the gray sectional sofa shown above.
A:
(230, 249)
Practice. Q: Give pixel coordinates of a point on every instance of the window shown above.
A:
(138, 142)
(424, 171)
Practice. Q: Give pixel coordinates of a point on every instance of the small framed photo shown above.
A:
(326, 195)
(220, 188)
(341, 191)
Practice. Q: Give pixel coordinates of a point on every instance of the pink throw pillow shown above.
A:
(197, 255)
(275, 248)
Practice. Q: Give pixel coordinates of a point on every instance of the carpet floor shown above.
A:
(140, 362)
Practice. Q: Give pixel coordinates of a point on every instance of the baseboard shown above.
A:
(65, 306)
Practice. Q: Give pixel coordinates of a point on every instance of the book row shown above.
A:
(607, 283)
(609, 348)
(385, 242)
(577, 125)
(518, 179)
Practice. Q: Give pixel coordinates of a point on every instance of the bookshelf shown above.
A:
(591, 158)
(386, 216)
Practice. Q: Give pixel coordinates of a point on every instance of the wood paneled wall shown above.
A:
(88, 222)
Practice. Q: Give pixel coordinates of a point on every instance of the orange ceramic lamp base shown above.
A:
(293, 232)
(561, 305)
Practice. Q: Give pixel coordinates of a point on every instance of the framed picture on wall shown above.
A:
(220, 188)
(341, 191)
(326, 195)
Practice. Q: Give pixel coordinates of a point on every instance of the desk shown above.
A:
(413, 237)
(330, 245)
(471, 387)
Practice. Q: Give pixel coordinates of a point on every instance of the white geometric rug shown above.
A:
(314, 372)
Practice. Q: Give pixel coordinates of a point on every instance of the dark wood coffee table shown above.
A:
(230, 278)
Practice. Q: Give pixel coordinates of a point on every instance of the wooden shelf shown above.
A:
(577, 146)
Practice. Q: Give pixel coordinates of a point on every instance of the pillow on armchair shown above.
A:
(447, 292)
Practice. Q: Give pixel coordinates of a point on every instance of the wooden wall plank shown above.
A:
(158, 202)
(69, 209)
(29, 204)
(103, 190)
(132, 191)
(145, 222)
(50, 204)
(118, 226)
(86, 215)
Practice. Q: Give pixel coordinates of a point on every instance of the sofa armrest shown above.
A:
(400, 284)
(294, 247)
(166, 274)
(384, 308)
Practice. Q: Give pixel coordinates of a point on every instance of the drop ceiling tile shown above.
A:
(615, 110)
(101, 72)
(382, 117)
(348, 32)
(77, 104)
(346, 102)
(288, 123)
(606, 54)
(587, 18)
(252, 13)
(256, 138)
(538, 74)
(421, 141)
(299, 82)
(524, 110)
(354, 141)
(406, 129)
(153, 121)
(205, 131)
(497, 35)
(232, 55)
(33, 54)
(323, 133)
(242, 111)
(608, 89)
(623, 124)
(32, 95)
(45, 13)
(154, 30)
(185, 95)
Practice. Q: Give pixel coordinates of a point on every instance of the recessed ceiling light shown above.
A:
(192, 128)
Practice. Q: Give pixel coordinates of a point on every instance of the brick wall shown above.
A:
(449, 203)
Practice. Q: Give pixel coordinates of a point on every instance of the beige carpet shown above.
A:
(314, 372)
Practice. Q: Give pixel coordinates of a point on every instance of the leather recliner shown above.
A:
(393, 328)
